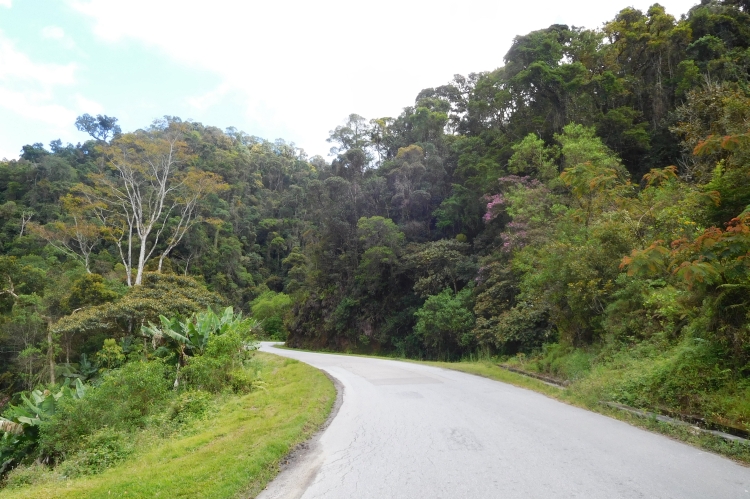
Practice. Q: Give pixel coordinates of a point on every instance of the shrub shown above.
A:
(191, 337)
(220, 365)
(188, 406)
(445, 322)
(564, 361)
(182, 409)
(122, 401)
(271, 308)
(275, 329)
(100, 450)
(22, 476)
(679, 377)
(20, 423)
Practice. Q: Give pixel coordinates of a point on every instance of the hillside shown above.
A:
(583, 210)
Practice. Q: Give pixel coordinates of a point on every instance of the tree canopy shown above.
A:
(592, 191)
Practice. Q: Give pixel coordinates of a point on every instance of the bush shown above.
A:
(100, 451)
(274, 328)
(22, 476)
(189, 406)
(182, 409)
(271, 307)
(445, 322)
(122, 401)
(220, 365)
(564, 361)
(522, 328)
(680, 377)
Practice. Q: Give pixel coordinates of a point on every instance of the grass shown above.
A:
(234, 453)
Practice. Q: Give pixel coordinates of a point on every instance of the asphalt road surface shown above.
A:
(412, 431)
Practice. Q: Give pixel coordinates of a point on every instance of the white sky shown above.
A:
(288, 69)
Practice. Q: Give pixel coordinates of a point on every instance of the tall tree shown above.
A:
(147, 194)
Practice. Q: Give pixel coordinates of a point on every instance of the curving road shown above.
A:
(413, 431)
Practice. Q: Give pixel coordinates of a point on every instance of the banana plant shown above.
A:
(190, 337)
(176, 331)
(20, 423)
(87, 368)
(41, 405)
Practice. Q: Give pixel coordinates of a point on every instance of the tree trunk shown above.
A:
(141, 263)
(50, 353)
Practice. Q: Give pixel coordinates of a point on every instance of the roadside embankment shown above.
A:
(235, 451)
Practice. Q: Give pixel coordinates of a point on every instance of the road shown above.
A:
(413, 431)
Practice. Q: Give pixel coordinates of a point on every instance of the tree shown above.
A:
(147, 194)
(440, 264)
(381, 242)
(591, 169)
(354, 134)
(531, 157)
(77, 237)
(444, 322)
(101, 128)
(271, 308)
(170, 295)
(18, 279)
(406, 181)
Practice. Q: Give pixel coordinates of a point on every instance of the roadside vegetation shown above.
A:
(581, 211)
(195, 444)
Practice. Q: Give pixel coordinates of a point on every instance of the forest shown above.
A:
(585, 206)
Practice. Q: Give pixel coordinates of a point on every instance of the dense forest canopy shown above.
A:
(591, 192)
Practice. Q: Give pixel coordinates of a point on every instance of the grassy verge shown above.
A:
(234, 453)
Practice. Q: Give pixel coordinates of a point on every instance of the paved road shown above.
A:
(412, 431)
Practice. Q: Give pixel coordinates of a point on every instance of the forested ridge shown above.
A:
(583, 208)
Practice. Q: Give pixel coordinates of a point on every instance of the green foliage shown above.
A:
(159, 294)
(274, 328)
(193, 337)
(80, 426)
(444, 323)
(203, 459)
(189, 405)
(439, 264)
(531, 156)
(524, 327)
(140, 389)
(99, 451)
(443, 231)
(111, 354)
(23, 476)
(675, 380)
(270, 308)
(87, 290)
(21, 423)
(563, 362)
(379, 231)
(221, 366)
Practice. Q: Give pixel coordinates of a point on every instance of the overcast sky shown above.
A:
(291, 69)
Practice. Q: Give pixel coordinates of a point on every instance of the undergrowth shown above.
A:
(681, 378)
(198, 444)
